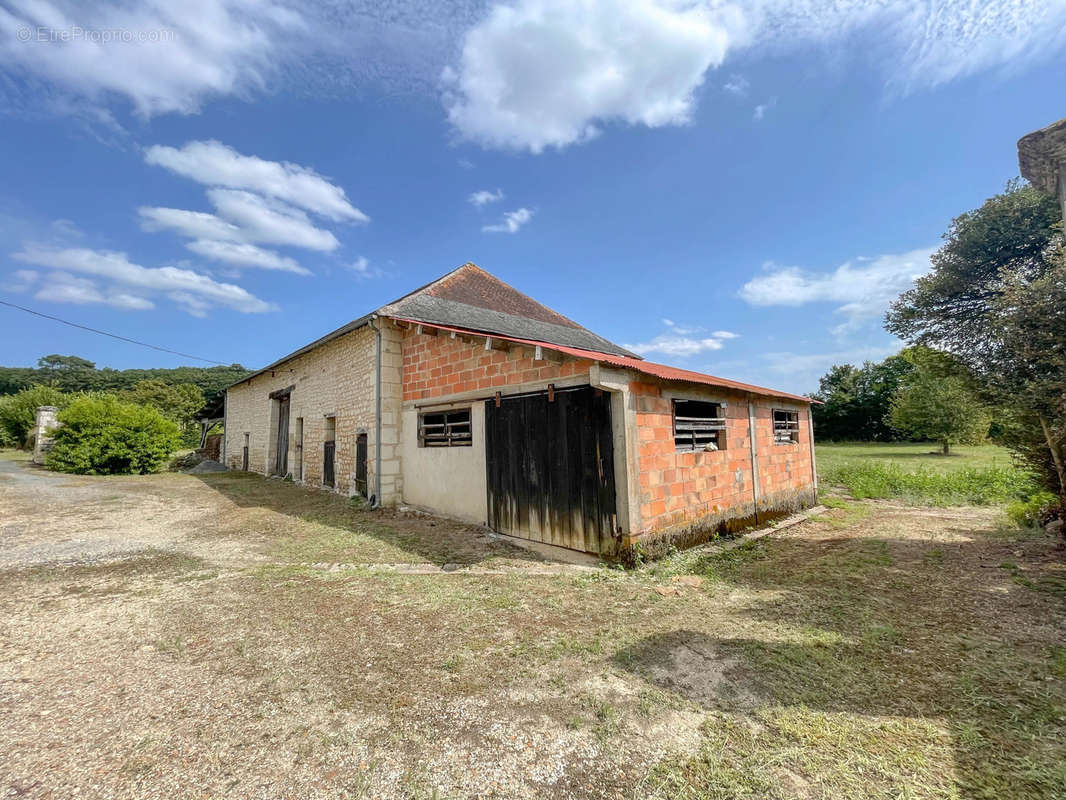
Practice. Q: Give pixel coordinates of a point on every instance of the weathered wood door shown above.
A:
(550, 467)
(281, 461)
(360, 464)
(329, 451)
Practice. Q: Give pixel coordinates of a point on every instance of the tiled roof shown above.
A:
(661, 371)
(471, 298)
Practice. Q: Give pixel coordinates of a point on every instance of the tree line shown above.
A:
(75, 374)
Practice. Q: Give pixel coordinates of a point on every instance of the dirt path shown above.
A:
(171, 637)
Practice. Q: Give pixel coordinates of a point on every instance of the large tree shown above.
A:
(938, 402)
(989, 301)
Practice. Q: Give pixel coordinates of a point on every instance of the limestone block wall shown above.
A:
(336, 379)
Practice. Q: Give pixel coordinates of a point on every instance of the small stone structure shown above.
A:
(1042, 160)
(42, 438)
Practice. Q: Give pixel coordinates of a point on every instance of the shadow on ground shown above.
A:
(889, 629)
(302, 524)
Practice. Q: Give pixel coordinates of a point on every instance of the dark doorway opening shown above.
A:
(360, 464)
(281, 458)
(329, 453)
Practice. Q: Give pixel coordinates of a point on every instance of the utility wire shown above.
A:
(112, 335)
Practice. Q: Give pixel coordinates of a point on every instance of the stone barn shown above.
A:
(468, 399)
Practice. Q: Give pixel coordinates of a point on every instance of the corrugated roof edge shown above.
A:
(662, 371)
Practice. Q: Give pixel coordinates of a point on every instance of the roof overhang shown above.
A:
(354, 325)
(661, 371)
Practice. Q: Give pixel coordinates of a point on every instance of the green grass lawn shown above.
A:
(910, 454)
(920, 474)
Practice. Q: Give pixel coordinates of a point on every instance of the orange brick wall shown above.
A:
(680, 489)
(438, 366)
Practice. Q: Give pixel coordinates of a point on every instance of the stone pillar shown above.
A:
(42, 439)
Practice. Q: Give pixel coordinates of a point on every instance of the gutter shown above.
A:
(376, 499)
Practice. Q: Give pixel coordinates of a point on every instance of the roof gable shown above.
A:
(471, 298)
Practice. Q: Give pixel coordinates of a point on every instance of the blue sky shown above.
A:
(733, 188)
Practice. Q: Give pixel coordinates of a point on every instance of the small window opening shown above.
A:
(445, 429)
(786, 427)
(698, 425)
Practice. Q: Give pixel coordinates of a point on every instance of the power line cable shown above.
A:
(112, 335)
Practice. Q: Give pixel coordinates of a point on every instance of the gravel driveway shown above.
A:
(177, 636)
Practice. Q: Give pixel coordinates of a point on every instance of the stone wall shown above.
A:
(335, 380)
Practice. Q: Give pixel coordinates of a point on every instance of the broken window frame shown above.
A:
(453, 429)
(698, 423)
(786, 429)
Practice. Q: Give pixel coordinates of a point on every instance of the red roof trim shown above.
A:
(661, 371)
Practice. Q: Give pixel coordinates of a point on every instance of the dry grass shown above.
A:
(879, 652)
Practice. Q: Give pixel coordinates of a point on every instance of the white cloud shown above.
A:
(245, 255)
(923, 43)
(363, 268)
(120, 272)
(512, 221)
(190, 303)
(22, 280)
(170, 57)
(271, 221)
(242, 217)
(549, 73)
(738, 85)
(682, 341)
(194, 224)
(62, 287)
(761, 109)
(215, 164)
(484, 197)
(534, 74)
(863, 288)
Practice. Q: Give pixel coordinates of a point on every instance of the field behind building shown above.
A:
(917, 473)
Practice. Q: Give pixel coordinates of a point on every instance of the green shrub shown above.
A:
(18, 412)
(969, 486)
(101, 435)
(1027, 513)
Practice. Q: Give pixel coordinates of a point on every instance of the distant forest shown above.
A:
(75, 374)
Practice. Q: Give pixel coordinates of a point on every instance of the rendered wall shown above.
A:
(448, 480)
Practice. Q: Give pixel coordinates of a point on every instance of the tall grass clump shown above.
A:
(980, 486)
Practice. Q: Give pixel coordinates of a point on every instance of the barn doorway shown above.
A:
(360, 465)
(281, 450)
(329, 453)
(550, 464)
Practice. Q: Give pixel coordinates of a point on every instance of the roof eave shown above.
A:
(343, 330)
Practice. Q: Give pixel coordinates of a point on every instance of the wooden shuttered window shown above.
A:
(445, 429)
(698, 425)
(786, 426)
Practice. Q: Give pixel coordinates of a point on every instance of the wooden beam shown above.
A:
(547, 354)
